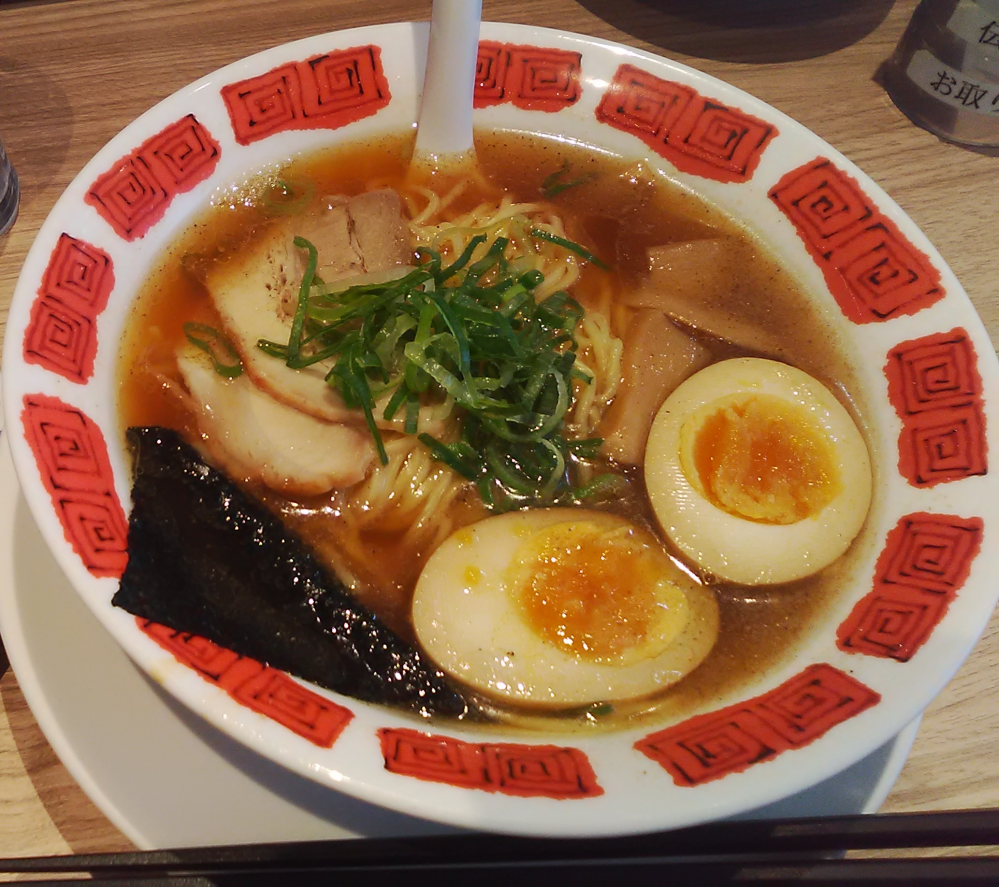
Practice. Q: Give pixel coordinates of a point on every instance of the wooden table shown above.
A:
(74, 72)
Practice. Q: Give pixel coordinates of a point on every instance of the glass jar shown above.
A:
(944, 74)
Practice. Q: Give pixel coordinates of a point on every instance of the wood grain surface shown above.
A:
(74, 72)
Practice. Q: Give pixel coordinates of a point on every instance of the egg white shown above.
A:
(468, 618)
(731, 547)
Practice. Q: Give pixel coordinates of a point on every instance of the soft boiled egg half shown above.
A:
(561, 607)
(757, 473)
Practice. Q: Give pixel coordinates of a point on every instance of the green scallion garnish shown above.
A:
(555, 184)
(225, 358)
(287, 198)
(570, 245)
(473, 332)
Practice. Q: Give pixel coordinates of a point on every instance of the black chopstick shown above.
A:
(854, 872)
(960, 828)
(714, 851)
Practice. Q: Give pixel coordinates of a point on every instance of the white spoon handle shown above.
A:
(445, 122)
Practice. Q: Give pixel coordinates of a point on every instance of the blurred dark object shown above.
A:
(944, 74)
(10, 193)
(745, 30)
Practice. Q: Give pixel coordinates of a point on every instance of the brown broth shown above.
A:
(619, 212)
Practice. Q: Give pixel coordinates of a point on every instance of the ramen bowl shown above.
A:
(905, 612)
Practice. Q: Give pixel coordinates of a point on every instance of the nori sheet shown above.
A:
(205, 558)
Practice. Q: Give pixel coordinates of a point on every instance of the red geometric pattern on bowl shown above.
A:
(696, 134)
(799, 711)
(134, 193)
(528, 77)
(872, 270)
(62, 331)
(72, 459)
(934, 385)
(265, 690)
(526, 771)
(926, 559)
(323, 92)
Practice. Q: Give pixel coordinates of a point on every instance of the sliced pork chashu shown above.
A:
(380, 231)
(357, 235)
(256, 291)
(252, 436)
(250, 293)
(331, 232)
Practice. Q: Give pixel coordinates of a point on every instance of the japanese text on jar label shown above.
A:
(979, 28)
(957, 88)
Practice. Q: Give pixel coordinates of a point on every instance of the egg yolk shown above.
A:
(598, 593)
(760, 457)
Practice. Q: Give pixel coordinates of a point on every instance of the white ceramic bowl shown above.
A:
(920, 594)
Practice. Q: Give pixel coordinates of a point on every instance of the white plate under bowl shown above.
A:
(923, 588)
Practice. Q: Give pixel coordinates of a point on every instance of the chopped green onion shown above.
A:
(463, 259)
(531, 279)
(396, 401)
(588, 448)
(455, 459)
(471, 334)
(212, 342)
(412, 414)
(553, 184)
(295, 340)
(601, 709)
(274, 349)
(570, 245)
(349, 370)
(603, 486)
(288, 198)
